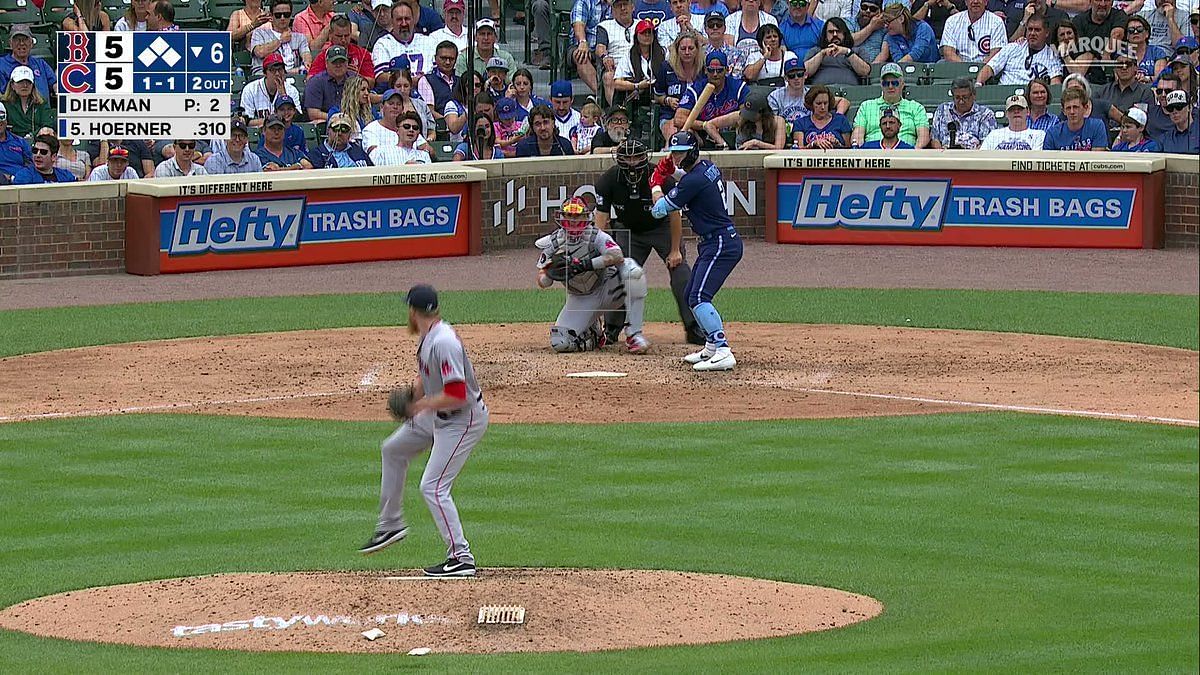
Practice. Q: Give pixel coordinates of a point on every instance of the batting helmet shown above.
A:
(633, 160)
(574, 217)
(685, 141)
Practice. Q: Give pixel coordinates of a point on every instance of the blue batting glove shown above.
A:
(660, 208)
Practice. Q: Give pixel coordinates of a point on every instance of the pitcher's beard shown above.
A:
(412, 326)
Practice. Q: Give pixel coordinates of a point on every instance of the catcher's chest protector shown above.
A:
(586, 248)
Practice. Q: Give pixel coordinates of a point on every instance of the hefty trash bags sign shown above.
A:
(320, 227)
(922, 207)
(932, 205)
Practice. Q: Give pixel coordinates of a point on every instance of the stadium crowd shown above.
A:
(388, 82)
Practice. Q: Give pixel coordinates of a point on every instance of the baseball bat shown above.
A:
(700, 101)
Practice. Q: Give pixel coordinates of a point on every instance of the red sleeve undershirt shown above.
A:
(456, 389)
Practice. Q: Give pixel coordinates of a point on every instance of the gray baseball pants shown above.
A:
(452, 440)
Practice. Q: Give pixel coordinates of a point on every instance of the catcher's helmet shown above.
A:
(633, 160)
(685, 141)
(574, 217)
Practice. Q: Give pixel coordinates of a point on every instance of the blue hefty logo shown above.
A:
(224, 227)
(872, 204)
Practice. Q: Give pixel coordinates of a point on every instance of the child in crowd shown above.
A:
(589, 126)
(507, 126)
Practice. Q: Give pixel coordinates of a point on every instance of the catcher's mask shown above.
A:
(574, 217)
(633, 161)
(685, 141)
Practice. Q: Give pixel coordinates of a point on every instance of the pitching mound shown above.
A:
(565, 610)
(784, 371)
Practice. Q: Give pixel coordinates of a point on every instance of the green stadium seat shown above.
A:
(54, 11)
(442, 151)
(191, 14)
(996, 94)
(928, 95)
(253, 134)
(20, 11)
(946, 72)
(856, 93)
(220, 13)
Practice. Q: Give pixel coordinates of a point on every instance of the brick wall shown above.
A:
(519, 205)
(73, 230)
(1183, 206)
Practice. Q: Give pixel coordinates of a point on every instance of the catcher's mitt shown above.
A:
(399, 401)
(557, 270)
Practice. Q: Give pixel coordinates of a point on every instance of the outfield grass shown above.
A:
(1171, 320)
(1002, 541)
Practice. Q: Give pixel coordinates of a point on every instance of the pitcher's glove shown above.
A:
(399, 402)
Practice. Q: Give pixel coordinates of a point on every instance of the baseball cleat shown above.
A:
(383, 539)
(451, 568)
(637, 344)
(702, 355)
(722, 359)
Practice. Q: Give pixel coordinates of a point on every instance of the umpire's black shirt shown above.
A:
(628, 206)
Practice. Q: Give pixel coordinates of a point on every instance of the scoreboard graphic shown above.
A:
(159, 86)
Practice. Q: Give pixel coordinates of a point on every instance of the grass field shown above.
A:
(996, 541)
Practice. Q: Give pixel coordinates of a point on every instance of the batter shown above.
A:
(448, 414)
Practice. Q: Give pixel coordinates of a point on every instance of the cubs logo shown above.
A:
(985, 44)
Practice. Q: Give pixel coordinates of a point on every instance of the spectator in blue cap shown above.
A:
(788, 100)
(1183, 63)
(508, 127)
(730, 93)
(293, 136)
(15, 153)
(45, 150)
(276, 156)
(566, 118)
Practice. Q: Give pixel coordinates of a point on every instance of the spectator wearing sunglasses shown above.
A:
(274, 154)
(45, 151)
(1031, 58)
(914, 125)
(1184, 63)
(277, 37)
(1182, 137)
(405, 150)
(337, 151)
(182, 163)
(1151, 58)
(974, 35)
(869, 30)
(1158, 120)
(1125, 91)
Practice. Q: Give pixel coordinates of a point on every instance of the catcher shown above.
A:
(598, 277)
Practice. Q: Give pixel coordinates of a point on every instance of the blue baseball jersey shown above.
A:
(701, 195)
(730, 98)
(1091, 135)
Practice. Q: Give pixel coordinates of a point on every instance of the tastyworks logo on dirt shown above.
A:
(237, 226)
(872, 204)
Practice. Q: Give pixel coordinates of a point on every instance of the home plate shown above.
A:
(597, 373)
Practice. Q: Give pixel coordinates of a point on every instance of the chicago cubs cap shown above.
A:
(887, 112)
(1177, 97)
(680, 141)
(390, 93)
(1189, 43)
(497, 62)
(21, 29)
(399, 63)
(272, 59)
(793, 64)
(284, 100)
(336, 53)
(755, 106)
(1137, 115)
(891, 69)
(716, 55)
(714, 17)
(422, 297)
(506, 108)
(1016, 101)
(22, 74)
(561, 89)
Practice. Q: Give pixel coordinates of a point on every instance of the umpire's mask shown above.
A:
(633, 160)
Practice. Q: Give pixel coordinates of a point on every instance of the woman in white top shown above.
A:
(78, 162)
(635, 75)
(134, 19)
(774, 54)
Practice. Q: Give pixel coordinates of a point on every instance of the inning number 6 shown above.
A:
(216, 54)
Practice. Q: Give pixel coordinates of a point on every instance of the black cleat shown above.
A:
(383, 539)
(451, 568)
